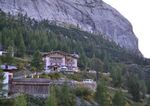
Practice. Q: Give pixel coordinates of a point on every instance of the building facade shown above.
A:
(8, 71)
(59, 61)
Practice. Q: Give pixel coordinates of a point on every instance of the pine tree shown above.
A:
(148, 85)
(143, 88)
(118, 99)
(22, 48)
(101, 95)
(1, 82)
(65, 97)
(37, 61)
(20, 45)
(9, 56)
(52, 100)
(97, 65)
(134, 87)
(116, 75)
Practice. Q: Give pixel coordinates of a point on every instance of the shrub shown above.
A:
(54, 76)
(83, 92)
(44, 76)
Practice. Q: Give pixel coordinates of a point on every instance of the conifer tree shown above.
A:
(101, 95)
(97, 65)
(65, 97)
(52, 100)
(22, 48)
(116, 75)
(1, 81)
(37, 61)
(9, 56)
(118, 99)
(134, 87)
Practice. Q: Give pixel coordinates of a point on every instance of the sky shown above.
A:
(138, 13)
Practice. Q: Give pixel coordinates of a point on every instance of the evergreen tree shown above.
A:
(134, 87)
(21, 49)
(65, 94)
(9, 56)
(37, 61)
(20, 44)
(143, 88)
(101, 95)
(2, 77)
(148, 85)
(65, 97)
(116, 74)
(118, 99)
(52, 100)
(97, 65)
(1, 82)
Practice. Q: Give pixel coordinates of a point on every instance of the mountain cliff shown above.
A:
(93, 16)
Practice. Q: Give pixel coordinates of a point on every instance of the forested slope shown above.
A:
(25, 35)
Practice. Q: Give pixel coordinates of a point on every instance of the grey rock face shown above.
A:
(93, 16)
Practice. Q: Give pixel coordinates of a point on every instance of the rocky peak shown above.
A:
(93, 16)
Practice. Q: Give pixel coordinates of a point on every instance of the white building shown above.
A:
(2, 53)
(5, 87)
(58, 60)
(8, 76)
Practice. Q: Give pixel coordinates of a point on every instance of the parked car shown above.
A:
(63, 69)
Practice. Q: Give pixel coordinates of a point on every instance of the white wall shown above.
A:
(75, 63)
(63, 63)
(47, 62)
(1, 53)
(5, 83)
